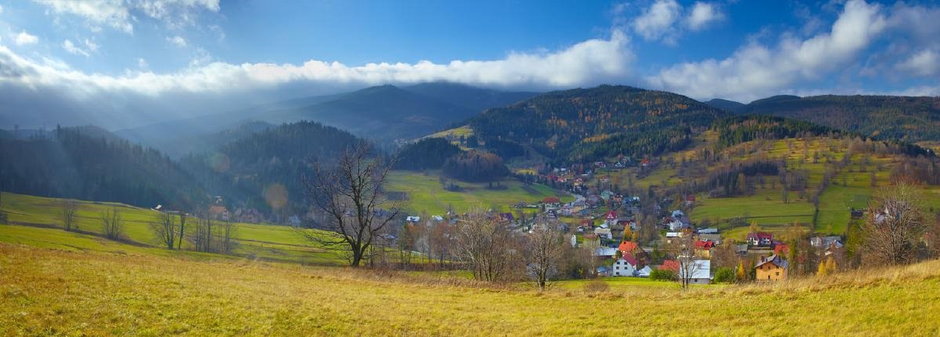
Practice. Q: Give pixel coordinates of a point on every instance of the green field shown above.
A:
(425, 193)
(56, 283)
(263, 241)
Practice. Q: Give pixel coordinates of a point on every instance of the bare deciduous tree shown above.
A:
(544, 248)
(112, 224)
(683, 249)
(164, 229)
(226, 238)
(69, 209)
(488, 246)
(179, 244)
(351, 200)
(894, 226)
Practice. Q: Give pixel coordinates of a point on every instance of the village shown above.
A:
(628, 236)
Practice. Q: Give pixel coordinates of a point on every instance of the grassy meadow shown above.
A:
(425, 193)
(269, 242)
(73, 284)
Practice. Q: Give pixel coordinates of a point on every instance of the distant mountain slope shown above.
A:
(472, 98)
(245, 169)
(382, 113)
(87, 163)
(724, 104)
(911, 119)
(590, 124)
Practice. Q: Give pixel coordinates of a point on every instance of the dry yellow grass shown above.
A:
(47, 291)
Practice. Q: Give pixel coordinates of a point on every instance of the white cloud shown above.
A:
(587, 63)
(73, 49)
(1, 9)
(756, 70)
(121, 14)
(178, 41)
(142, 63)
(702, 15)
(924, 63)
(657, 21)
(24, 38)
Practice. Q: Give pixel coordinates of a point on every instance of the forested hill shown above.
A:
(246, 170)
(87, 163)
(910, 119)
(606, 121)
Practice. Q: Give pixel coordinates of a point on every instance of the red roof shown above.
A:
(760, 235)
(629, 258)
(672, 265)
(611, 215)
(551, 200)
(781, 249)
(627, 247)
(706, 245)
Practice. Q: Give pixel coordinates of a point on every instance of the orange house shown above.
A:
(771, 268)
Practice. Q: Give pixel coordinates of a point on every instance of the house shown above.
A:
(605, 252)
(604, 233)
(710, 230)
(603, 271)
(703, 248)
(700, 271)
(826, 242)
(413, 218)
(644, 272)
(716, 238)
(624, 266)
(760, 239)
(771, 268)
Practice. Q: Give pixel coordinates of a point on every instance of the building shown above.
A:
(624, 266)
(771, 268)
(760, 239)
(700, 271)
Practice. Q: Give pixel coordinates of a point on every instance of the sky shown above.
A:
(126, 62)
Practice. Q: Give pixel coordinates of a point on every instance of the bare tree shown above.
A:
(894, 226)
(201, 237)
(164, 229)
(112, 224)
(69, 210)
(683, 249)
(226, 237)
(179, 244)
(488, 246)
(544, 248)
(350, 198)
(440, 239)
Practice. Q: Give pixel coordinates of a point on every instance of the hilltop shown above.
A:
(913, 119)
(592, 124)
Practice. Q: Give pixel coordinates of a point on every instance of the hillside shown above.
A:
(592, 124)
(89, 163)
(123, 289)
(912, 119)
(245, 168)
(726, 105)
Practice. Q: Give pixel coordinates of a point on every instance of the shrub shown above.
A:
(596, 286)
(724, 275)
(663, 275)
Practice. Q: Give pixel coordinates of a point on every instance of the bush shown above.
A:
(596, 286)
(663, 275)
(724, 275)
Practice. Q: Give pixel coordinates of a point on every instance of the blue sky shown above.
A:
(129, 53)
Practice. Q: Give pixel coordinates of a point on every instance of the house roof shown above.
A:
(706, 245)
(627, 247)
(701, 269)
(773, 259)
(629, 258)
(672, 265)
(760, 236)
(551, 200)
